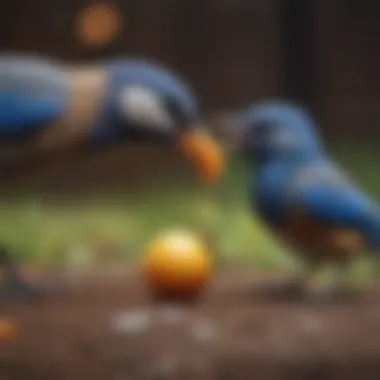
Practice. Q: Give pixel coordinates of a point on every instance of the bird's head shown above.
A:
(151, 114)
(271, 130)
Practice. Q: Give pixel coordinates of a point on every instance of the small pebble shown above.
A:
(204, 330)
(132, 322)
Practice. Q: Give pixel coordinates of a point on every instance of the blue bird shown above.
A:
(302, 196)
(48, 108)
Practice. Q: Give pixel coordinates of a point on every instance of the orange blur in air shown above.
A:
(99, 24)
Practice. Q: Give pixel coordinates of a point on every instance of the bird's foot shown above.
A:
(328, 294)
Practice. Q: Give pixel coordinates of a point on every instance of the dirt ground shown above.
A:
(109, 328)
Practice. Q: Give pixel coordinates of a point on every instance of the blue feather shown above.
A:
(20, 113)
(331, 199)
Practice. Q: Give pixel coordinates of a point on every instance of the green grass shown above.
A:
(50, 235)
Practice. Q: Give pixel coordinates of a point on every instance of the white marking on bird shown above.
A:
(142, 106)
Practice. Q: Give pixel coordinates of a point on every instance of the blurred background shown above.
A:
(324, 54)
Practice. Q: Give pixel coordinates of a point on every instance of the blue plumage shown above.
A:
(176, 97)
(289, 121)
(21, 113)
(46, 107)
(33, 93)
(299, 192)
(331, 199)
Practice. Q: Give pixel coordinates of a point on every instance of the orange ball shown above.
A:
(177, 264)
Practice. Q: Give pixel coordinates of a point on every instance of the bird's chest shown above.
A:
(316, 240)
(268, 194)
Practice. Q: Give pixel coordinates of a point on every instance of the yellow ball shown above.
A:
(177, 264)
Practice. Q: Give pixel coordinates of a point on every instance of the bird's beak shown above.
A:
(204, 152)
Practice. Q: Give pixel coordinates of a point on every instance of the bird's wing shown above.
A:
(326, 209)
(32, 93)
(327, 196)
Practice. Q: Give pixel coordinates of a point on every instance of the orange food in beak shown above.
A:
(204, 153)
